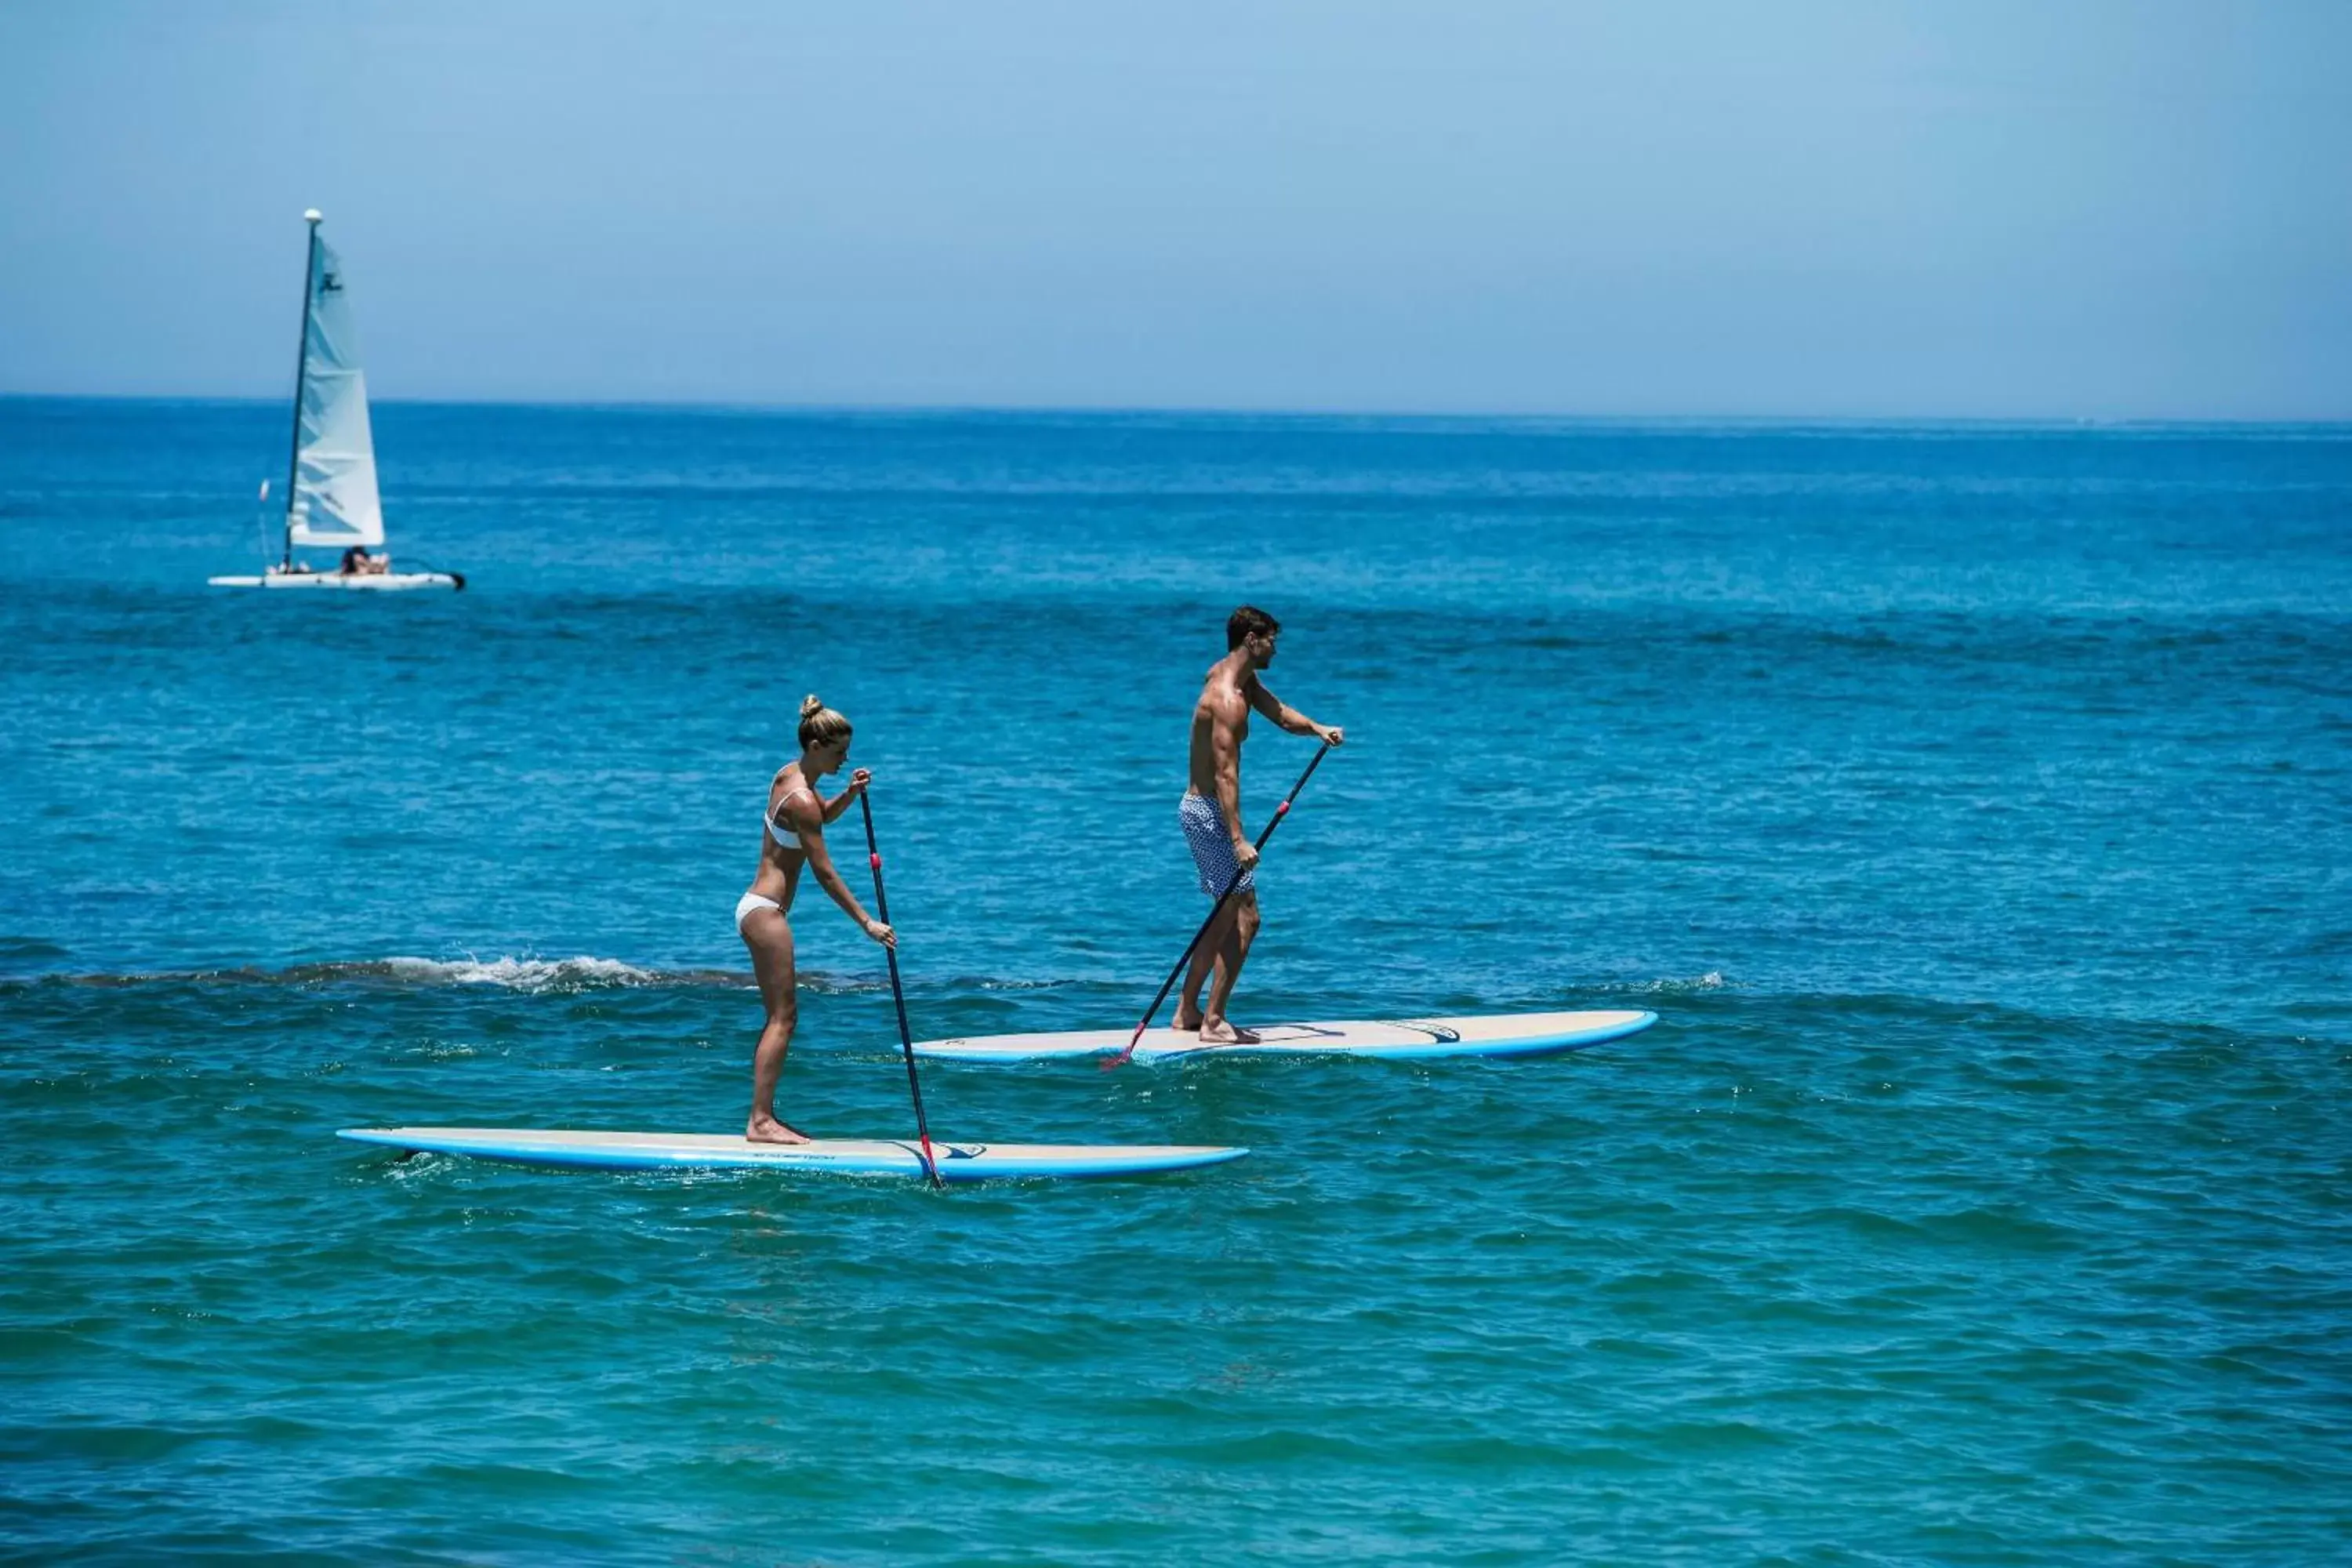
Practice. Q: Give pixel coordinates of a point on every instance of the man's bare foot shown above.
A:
(768, 1129)
(1223, 1032)
(1184, 1025)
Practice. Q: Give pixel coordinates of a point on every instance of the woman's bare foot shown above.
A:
(1184, 1026)
(1223, 1032)
(768, 1129)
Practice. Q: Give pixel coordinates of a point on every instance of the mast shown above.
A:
(302, 363)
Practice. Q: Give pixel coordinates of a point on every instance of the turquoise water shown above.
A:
(1974, 803)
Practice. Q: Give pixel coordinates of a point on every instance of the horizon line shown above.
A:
(1211, 411)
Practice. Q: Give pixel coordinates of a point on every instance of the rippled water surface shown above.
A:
(1974, 804)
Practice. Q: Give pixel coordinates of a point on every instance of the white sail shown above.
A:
(334, 502)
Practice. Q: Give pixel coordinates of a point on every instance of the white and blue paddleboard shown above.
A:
(1402, 1039)
(836, 1156)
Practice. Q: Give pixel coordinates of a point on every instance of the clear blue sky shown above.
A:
(2098, 208)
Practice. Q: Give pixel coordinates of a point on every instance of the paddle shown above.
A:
(1214, 910)
(898, 995)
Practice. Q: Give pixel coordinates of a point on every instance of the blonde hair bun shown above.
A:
(820, 725)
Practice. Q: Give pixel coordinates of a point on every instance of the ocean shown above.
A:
(1972, 801)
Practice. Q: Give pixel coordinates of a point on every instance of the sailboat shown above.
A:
(331, 495)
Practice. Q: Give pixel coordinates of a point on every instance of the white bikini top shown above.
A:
(784, 839)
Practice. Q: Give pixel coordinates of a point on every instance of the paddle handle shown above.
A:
(1217, 908)
(898, 995)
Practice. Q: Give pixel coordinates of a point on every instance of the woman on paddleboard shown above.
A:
(794, 837)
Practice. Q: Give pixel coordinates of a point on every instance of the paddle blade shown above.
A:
(1111, 1064)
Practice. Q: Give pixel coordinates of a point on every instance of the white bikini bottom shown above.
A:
(749, 901)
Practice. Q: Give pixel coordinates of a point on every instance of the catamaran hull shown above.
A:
(358, 583)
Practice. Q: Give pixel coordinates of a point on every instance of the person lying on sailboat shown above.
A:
(358, 563)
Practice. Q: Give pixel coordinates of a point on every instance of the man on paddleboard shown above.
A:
(1211, 814)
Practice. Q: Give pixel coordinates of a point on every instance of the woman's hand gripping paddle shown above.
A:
(898, 995)
(1215, 910)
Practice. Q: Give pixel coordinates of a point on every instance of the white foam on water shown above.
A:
(1712, 980)
(584, 972)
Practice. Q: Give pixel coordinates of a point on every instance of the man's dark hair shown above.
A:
(1248, 622)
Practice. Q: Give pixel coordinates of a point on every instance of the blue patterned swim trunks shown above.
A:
(1213, 846)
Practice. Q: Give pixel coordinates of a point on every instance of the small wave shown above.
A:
(1712, 980)
(532, 975)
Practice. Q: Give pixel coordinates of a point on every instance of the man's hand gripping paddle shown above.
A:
(898, 995)
(1215, 910)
